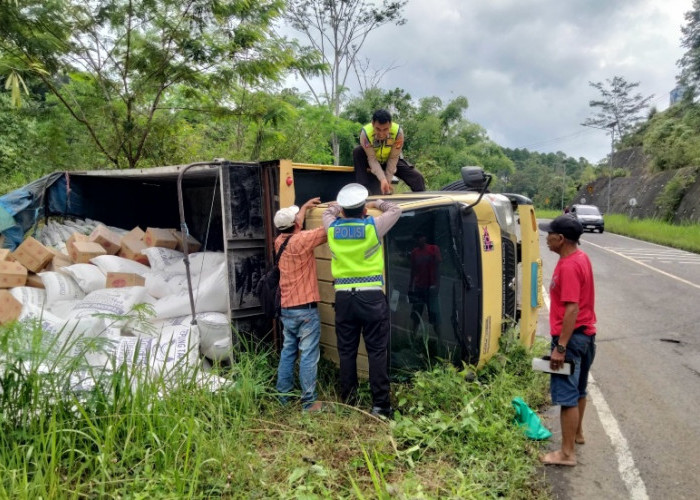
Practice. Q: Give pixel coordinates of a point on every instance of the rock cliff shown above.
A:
(645, 189)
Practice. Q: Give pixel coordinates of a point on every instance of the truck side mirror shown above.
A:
(473, 177)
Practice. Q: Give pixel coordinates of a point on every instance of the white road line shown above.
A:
(646, 265)
(625, 462)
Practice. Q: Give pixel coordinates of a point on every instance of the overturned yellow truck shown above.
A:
(486, 279)
(483, 274)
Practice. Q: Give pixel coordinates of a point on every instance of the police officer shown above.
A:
(379, 156)
(357, 264)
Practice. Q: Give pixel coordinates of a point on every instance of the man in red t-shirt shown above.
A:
(424, 283)
(572, 326)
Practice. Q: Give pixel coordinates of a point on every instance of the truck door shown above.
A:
(433, 287)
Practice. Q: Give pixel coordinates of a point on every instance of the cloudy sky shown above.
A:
(524, 65)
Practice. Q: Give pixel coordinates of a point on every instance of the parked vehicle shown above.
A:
(489, 278)
(590, 217)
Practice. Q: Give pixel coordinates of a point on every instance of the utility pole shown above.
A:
(563, 184)
(612, 151)
(610, 126)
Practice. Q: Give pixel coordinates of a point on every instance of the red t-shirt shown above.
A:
(572, 281)
(424, 266)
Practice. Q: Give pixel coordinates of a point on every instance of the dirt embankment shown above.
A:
(644, 188)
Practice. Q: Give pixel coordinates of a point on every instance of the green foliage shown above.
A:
(136, 437)
(551, 180)
(671, 138)
(670, 198)
(126, 60)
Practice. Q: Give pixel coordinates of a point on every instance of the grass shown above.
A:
(683, 236)
(132, 436)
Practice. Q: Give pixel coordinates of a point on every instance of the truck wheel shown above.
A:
(601, 230)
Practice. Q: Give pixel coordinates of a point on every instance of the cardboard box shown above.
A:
(73, 238)
(59, 260)
(34, 280)
(108, 239)
(4, 254)
(32, 255)
(12, 274)
(120, 280)
(10, 307)
(192, 244)
(82, 251)
(132, 244)
(157, 237)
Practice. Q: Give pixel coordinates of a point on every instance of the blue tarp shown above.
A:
(22, 208)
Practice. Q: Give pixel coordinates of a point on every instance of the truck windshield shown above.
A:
(424, 289)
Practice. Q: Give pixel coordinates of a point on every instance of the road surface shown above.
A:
(642, 423)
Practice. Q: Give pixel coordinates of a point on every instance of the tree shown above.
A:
(338, 29)
(618, 110)
(112, 63)
(690, 61)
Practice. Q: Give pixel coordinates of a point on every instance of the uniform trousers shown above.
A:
(404, 171)
(363, 312)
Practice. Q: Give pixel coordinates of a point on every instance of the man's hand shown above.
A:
(556, 359)
(312, 202)
(386, 187)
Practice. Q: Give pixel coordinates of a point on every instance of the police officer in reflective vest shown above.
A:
(355, 241)
(379, 156)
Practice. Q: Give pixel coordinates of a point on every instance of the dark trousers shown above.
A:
(363, 312)
(404, 171)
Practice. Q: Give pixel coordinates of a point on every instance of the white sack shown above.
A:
(159, 283)
(28, 295)
(62, 308)
(60, 286)
(116, 264)
(174, 351)
(210, 296)
(200, 263)
(117, 301)
(215, 336)
(89, 277)
(161, 258)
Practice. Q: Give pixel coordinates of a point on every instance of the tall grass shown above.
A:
(135, 436)
(685, 236)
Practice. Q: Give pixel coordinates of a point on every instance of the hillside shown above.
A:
(671, 194)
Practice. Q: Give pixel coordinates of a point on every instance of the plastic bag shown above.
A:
(525, 417)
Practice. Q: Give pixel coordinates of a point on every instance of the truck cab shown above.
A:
(460, 268)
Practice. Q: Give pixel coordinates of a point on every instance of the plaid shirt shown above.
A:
(298, 279)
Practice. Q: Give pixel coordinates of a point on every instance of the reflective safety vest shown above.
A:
(382, 149)
(357, 255)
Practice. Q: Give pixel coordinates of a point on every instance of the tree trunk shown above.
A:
(336, 148)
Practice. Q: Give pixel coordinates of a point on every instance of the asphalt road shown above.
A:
(642, 423)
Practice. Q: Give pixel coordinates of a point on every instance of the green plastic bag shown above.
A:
(525, 417)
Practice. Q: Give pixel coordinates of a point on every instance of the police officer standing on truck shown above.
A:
(357, 264)
(379, 156)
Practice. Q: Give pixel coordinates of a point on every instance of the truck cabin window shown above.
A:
(424, 289)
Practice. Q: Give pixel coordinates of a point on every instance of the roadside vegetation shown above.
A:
(134, 437)
(683, 236)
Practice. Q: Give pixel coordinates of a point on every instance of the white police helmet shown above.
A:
(352, 195)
